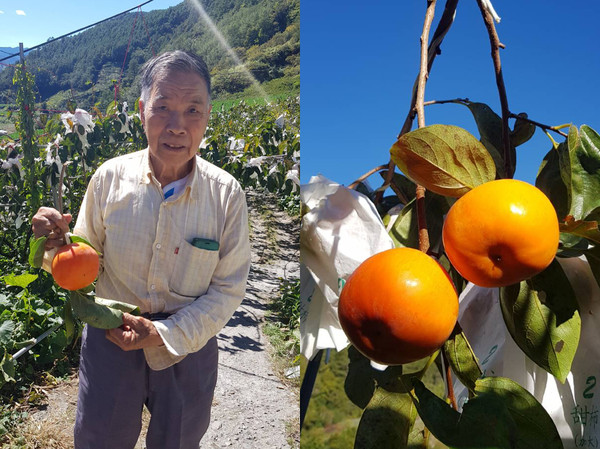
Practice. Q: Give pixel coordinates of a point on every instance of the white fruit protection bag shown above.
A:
(573, 406)
(340, 230)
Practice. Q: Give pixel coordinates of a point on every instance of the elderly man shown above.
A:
(173, 234)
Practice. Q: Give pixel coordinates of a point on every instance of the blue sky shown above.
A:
(34, 21)
(359, 62)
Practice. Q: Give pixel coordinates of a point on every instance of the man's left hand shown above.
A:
(135, 333)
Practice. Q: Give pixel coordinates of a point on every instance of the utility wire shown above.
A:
(76, 31)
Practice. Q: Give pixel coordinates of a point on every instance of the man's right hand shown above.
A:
(51, 223)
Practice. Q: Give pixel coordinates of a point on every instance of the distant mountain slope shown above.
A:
(264, 34)
(7, 51)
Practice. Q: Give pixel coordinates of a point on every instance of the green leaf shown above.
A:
(485, 422)
(459, 282)
(445, 159)
(112, 109)
(405, 230)
(404, 188)
(542, 316)
(549, 180)
(419, 436)
(535, 427)
(24, 343)
(118, 305)
(387, 420)
(6, 330)
(522, 130)
(68, 320)
(89, 289)
(21, 280)
(7, 369)
(77, 239)
(403, 226)
(95, 314)
(462, 359)
(71, 106)
(581, 171)
(36, 251)
(489, 125)
(362, 378)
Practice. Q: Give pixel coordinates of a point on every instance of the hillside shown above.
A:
(7, 51)
(264, 34)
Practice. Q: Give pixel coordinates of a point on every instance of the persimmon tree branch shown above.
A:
(556, 129)
(434, 49)
(449, 384)
(420, 98)
(424, 68)
(454, 100)
(420, 190)
(495, 46)
(366, 175)
(542, 126)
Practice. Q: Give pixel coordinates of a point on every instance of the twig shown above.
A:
(399, 193)
(495, 45)
(424, 69)
(366, 175)
(556, 129)
(422, 220)
(539, 125)
(449, 384)
(434, 49)
(420, 98)
(455, 100)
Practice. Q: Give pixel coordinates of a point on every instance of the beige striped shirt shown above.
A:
(147, 256)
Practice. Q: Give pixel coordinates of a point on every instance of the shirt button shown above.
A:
(158, 246)
(153, 287)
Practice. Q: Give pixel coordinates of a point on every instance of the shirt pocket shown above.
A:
(193, 270)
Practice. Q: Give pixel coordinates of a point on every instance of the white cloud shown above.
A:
(1, 12)
(20, 12)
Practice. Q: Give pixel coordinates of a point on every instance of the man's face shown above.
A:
(175, 118)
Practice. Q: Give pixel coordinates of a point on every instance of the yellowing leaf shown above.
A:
(445, 159)
(581, 228)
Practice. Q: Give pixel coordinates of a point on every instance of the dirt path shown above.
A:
(253, 408)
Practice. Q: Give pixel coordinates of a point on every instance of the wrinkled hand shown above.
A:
(135, 333)
(51, 223)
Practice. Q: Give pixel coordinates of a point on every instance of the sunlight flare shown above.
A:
(223, 42)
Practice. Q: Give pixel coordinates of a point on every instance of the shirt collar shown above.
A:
(147, 174)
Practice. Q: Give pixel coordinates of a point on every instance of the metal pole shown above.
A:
(21, 53)
(36, 341)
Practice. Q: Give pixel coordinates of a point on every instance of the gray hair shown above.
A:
(178, 60)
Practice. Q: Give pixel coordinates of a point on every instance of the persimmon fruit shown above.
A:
(398, 306)
(501, 232)
(75, 266)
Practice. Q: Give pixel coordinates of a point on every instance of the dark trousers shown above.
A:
(114, 385)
